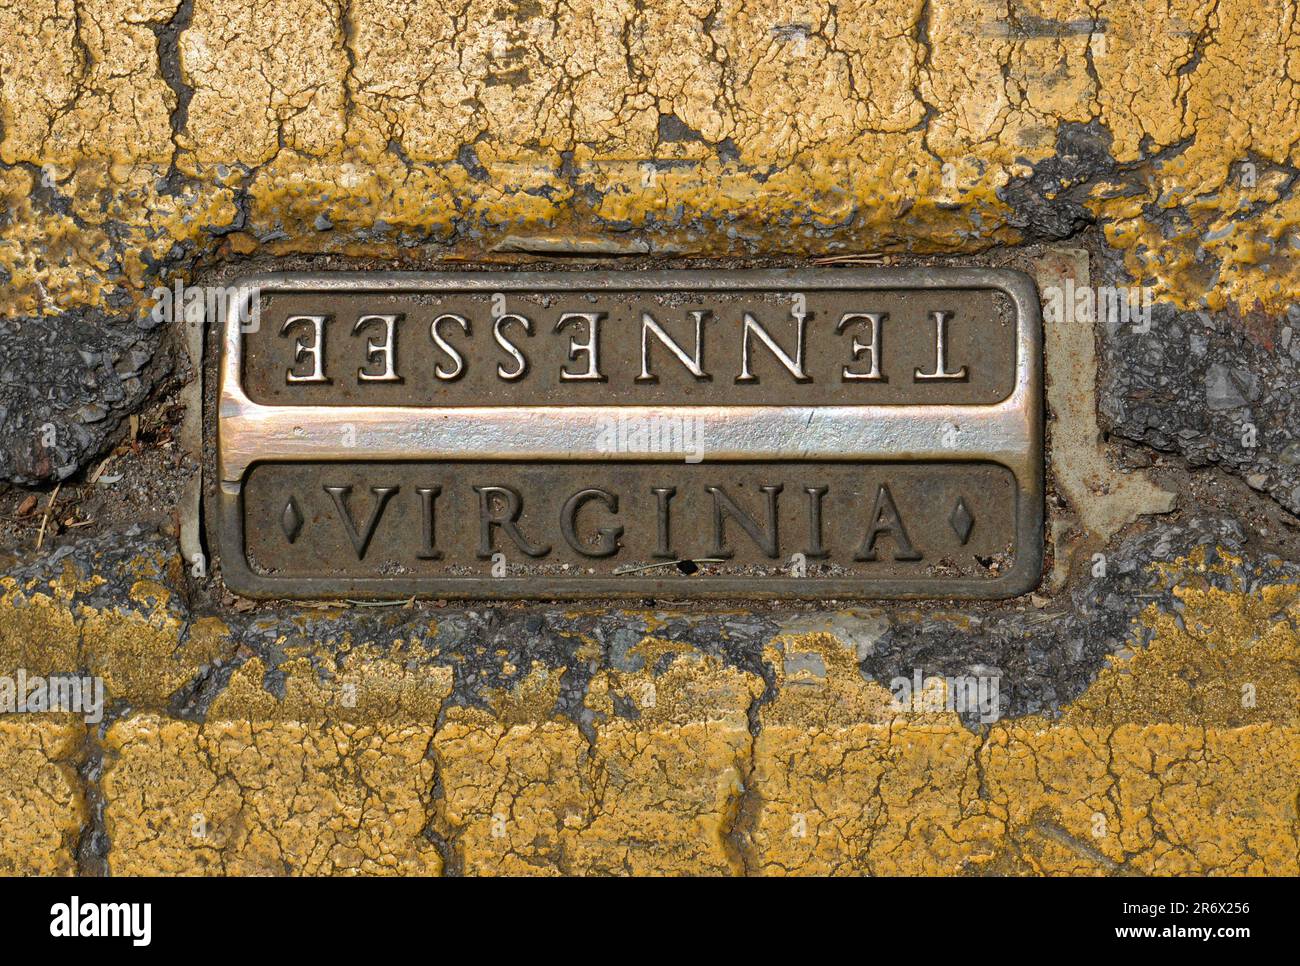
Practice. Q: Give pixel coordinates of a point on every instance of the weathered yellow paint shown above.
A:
(41, 804)
(363, 764)
(878, 126)
(1200, 659)
(267, 798)
(136, 646)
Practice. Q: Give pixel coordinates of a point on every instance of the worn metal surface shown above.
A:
(805, 453)
(504, 347)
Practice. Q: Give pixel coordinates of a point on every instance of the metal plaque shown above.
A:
(769, 433)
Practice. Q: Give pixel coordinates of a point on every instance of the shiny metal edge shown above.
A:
(1009, 433)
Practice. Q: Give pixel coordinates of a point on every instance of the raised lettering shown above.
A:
(664, 544)
(507, 520)
(607, 544)
(941, 353)
(428, 532)
(386, 351)
(694, 364)
(793, 366)
(765, 536)
(458, 362)
(315, 350)
(872, 348)
(361, 538)
(591, 348)
(498, 333)
(885, 519)
(816, 550)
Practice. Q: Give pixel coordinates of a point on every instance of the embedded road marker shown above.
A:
(867, 433)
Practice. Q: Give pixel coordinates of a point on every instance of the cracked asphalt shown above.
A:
(1146, 718)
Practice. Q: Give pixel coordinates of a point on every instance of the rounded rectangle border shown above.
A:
(1009, 433)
